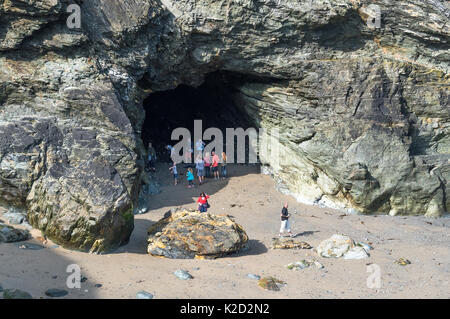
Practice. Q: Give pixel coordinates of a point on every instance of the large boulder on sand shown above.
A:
(84, 207)
(186, 234)
(341, 246)
(9, 234)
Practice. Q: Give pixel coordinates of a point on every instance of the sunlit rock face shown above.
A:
(362, 113)
(186, 235)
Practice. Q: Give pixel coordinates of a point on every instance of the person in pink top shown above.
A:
(215, 165)
(207, 160)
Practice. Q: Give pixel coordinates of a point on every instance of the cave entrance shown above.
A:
(212, 102)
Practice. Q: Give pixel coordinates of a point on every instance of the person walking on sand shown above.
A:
(200, 166)
(223, 165)
(285, 225)
(173, 168)
(215, 165)
(207, 161)
(203, 204)
(190, 177)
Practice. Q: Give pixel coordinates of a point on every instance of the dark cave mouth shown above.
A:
(212, 102)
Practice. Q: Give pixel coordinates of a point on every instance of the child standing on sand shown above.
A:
(173, 168)
(190, 178)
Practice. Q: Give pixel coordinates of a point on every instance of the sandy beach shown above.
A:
(252, 200)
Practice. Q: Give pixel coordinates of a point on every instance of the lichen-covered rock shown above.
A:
(187, 234)
(288, 243)
(341, 246)
(402, 261)
(271, 283)
(303, 264)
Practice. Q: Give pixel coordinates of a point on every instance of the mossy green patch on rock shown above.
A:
(271, 283)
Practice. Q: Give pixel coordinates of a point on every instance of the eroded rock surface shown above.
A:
(287, 243)
(9, 234)
(187, 234)
(271, 283)
(341, 246)
(362, 113)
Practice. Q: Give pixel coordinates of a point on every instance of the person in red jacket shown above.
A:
(203, 202)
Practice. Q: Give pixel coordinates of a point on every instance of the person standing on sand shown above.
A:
(215, 165)
(189, 151)
(203, 203)
(151, 158)
(173, 168)
(285, 225)
(223, 165)
(200, 166)
(190, 177)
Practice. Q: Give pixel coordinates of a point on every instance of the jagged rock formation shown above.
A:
(184, 235)
(362, 113)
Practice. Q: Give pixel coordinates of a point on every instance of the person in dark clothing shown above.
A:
(285, 225)
(151, 159)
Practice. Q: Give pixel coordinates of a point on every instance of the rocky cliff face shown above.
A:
(362, 113)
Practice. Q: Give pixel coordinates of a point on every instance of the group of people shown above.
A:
(207, 165)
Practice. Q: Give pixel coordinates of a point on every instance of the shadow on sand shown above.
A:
(174, 196)
(306, 233)
(138, 239)
(35, 267)
(255, 247)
